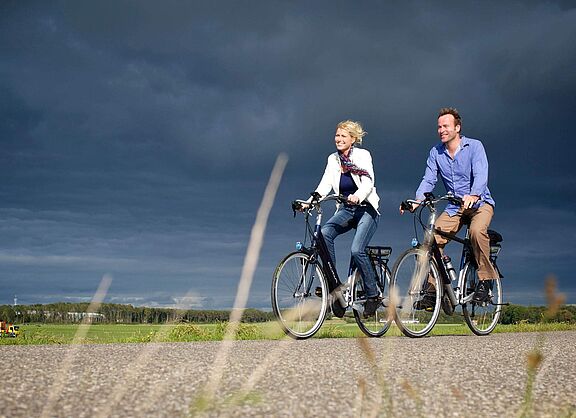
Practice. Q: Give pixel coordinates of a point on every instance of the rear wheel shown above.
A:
(378, 324)
(482, 317)
(299, 295)
(416, 292)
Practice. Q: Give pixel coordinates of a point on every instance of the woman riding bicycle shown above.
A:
(349, 172)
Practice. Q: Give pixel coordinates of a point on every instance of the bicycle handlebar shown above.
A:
(317, 199)
(430, 200)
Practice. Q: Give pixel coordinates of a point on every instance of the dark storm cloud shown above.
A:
(137, 136)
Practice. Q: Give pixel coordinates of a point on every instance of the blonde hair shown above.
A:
(354, 129)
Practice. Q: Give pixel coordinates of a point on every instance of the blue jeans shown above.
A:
(364, 219)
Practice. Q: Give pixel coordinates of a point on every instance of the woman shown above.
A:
(349, 172)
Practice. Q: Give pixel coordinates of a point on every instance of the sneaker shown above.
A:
(482, 292)
(427, 303)
(370, 306)
(337, 308)
(447, 305)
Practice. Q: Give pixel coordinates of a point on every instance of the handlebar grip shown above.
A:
(315, 196)
(456, 200)
(296, 207)
(405, 206)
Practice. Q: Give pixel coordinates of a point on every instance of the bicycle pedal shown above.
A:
(318, 291)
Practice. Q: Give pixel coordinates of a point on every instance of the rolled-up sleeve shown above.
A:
(479, 170)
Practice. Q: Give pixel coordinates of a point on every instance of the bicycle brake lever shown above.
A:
(295, 206)
(406, 206)
(315, 196)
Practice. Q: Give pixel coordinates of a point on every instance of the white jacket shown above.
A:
(331, 178)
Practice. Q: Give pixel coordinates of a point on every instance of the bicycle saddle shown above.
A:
(495, 237)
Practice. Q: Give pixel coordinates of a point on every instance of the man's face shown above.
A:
(447, 129)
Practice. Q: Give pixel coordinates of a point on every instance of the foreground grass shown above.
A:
(118, 333)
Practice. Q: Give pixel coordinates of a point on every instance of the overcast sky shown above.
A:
(137, 137)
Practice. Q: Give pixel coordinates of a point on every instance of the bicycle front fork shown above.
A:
(451, 295)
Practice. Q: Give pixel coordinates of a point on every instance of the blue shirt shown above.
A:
(465, 174)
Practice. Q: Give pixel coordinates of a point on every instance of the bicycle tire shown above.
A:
(299, 295)
(410, 278)
(379, 323)
(483, 317)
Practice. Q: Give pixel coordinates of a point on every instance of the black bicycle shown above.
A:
(306, 285)
(425, 280)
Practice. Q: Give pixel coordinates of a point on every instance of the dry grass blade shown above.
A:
(143, 360)
(71, 353)
(250, 263)
(535, 358)
(273, 355)
(554, 300)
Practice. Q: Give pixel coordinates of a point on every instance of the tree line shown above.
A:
(64, 313)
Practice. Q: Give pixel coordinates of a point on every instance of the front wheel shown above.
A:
(482, 317)
(299, 295)
(416, 292)
(378, 324)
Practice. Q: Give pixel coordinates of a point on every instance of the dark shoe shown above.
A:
(447, 305)
(337, 308)
(370, 306)
(427, 303)
(482, 291)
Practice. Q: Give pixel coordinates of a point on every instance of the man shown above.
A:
(463, 167)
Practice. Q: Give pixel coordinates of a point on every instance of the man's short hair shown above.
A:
(451, 111)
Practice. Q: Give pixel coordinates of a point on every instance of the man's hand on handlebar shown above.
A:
(408, 206)
(468, 201)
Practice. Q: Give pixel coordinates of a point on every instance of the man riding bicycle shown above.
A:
(463, 167)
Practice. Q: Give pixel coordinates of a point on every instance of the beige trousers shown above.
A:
(479, 221)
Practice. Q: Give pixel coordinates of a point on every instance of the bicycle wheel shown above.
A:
(416, 293)
(377, 325)
(299, 295)
(483, 317)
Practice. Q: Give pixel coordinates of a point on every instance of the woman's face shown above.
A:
(343, 140)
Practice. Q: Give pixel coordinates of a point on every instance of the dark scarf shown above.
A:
(350, 166)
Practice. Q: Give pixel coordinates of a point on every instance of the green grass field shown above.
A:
(118, 333)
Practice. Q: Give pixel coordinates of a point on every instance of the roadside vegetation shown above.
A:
(32, 334)
(113, 323)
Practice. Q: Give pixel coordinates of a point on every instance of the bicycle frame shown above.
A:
(455, 294)
(318, 245)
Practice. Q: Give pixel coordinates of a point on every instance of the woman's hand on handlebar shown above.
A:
(355, 200)
(300, 206)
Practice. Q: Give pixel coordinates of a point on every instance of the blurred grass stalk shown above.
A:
(535, 358)
(248, 269)
(71, 353)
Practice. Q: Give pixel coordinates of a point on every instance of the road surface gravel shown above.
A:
(449, 376)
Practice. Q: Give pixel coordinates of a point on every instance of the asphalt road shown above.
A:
(452, 376)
